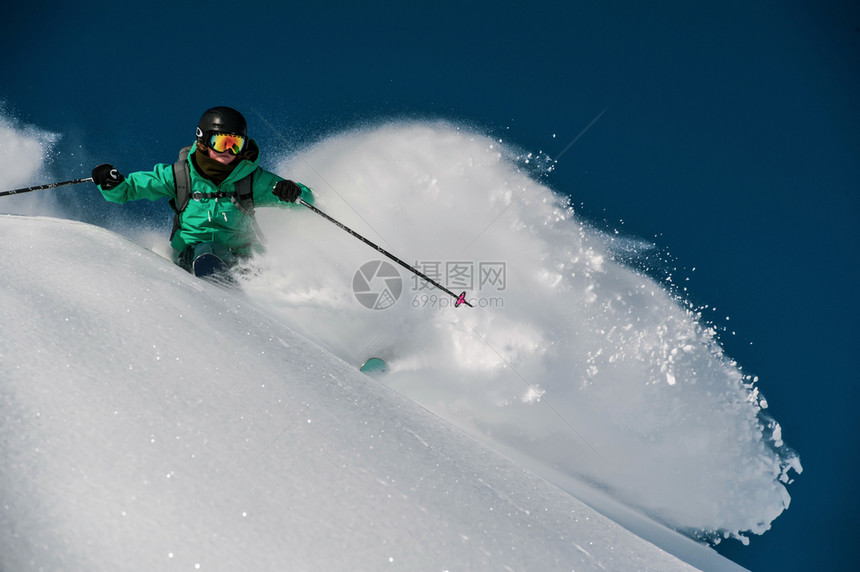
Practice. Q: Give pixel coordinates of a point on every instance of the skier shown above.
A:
(213, 191)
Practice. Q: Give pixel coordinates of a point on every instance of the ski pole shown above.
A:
(48, 186)
(461, 299)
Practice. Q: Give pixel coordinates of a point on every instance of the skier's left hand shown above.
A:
(287, 191)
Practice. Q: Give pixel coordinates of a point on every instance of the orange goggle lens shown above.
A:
(220, 142)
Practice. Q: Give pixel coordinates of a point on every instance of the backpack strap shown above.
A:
(182, 179)
(243, 198)
(244, 195)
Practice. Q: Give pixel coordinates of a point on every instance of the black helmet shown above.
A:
(222, 120)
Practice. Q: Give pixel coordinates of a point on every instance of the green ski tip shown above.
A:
(374, 366)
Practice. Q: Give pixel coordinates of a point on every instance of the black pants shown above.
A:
(189, 255)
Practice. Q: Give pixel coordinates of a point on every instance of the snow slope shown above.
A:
(579, 369)
(151, 421)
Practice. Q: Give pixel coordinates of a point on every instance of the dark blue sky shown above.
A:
(731, 137)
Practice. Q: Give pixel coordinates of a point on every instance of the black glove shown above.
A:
(107, 177)
(287, 191)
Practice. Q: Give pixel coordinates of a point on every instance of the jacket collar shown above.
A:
(248, 163)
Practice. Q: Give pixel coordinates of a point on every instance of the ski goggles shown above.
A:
(221, 142)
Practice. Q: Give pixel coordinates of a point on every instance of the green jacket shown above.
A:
(207, 220)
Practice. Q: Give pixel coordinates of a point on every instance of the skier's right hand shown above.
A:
(107, 177)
